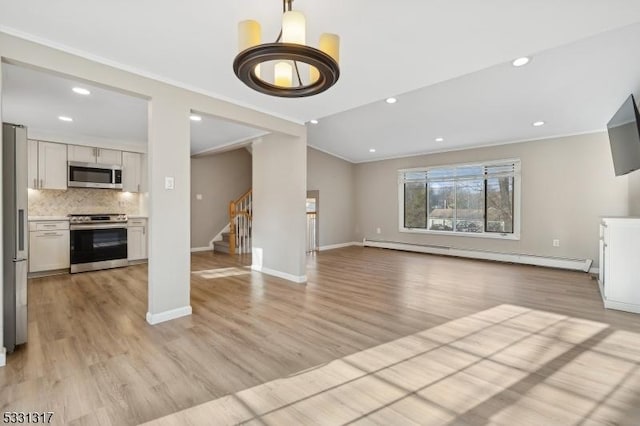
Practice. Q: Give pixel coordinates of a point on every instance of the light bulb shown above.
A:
(283, 72)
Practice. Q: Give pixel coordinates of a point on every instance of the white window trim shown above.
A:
(517, 201)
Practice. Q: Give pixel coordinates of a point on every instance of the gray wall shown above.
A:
(334, 178)
(279, 196)
(567, 184)
(219, 179)
(634, 193)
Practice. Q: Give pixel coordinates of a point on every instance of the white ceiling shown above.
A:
(214, 134)
(573, 89)
(36, 99)
(388, 48)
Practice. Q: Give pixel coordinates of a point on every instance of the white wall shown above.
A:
(279, 212)
(168, 156)
(634, 193)
(334, 178)
(567, 184)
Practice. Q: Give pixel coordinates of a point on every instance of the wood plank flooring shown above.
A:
(92, 358)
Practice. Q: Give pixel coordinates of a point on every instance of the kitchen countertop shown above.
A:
(46, 218)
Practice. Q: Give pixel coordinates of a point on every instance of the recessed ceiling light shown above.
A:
(520, 62)
(63, 118)
(391, 100)
(313, 121)
(538, 123)
(194, 117)
(81, 91)
(439, 139)
(372, 150)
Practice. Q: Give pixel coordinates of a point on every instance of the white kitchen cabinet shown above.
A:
(619, 276)
(88, 154)
(137, 239)
(109, 156)
(48, 246)
(84, 154)
(52, 165)
(32, 164)
(131, 171)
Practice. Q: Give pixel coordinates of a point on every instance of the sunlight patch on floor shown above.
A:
(209, 274)
(504, 365)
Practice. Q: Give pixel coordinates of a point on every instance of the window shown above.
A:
(465, 199)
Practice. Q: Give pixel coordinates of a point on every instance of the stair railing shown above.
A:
(240, 216)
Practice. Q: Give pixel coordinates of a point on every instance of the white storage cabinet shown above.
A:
(619, 274)
(48, 246)
(137, 239)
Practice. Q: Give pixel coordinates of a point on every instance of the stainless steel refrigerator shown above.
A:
(14, 231)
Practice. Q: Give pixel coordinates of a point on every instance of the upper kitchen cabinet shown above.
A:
(87, 154)
(52, 166)
(131, 172)
(32, 164)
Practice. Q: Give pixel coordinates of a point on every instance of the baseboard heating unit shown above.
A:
(525, 259)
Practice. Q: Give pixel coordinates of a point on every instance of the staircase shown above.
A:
(238, 239)
(222, 246)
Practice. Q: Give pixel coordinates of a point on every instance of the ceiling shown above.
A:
(214, 134)
(36, 99)
(447, 62)
(574, 89)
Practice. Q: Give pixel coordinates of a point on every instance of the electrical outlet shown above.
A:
(378, 231)
(556, 243)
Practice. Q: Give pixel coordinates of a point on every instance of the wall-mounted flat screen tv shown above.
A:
(624, 137)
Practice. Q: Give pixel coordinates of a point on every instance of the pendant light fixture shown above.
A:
(289, 52)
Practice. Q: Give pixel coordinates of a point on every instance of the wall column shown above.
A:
(169, 210)
(279, 214)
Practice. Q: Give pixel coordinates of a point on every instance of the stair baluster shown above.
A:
(240, 216)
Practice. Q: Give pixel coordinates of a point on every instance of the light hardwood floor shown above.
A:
(400, 334)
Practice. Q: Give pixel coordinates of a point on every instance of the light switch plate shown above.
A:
(169, 182)
(198, 196)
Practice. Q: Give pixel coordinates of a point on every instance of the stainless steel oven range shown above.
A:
(98, 241)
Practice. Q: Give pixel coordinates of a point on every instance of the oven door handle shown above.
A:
(89, 227)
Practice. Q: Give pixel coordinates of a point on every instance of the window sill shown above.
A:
(496, 236)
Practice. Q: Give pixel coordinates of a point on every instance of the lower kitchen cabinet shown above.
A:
(48, 246)
(137, 239)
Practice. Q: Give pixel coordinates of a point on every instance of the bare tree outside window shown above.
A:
(476, 199)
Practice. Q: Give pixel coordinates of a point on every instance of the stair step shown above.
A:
(225, 236)
(221, 246)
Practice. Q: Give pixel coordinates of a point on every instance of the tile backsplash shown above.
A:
(48, 202)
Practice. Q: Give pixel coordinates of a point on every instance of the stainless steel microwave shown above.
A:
(93, 175)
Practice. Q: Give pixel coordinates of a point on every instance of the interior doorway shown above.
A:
(313, 223)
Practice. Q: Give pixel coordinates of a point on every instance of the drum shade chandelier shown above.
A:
(288, 52)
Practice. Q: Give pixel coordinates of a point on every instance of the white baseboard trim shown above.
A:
(154, 319)
(218, 236)
(526, 259)
(285, 276)
(197, 249)
(3, 357)
(618, 306)
(340, 245)
(594, 271)
(621, 306)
